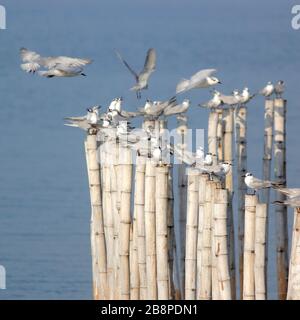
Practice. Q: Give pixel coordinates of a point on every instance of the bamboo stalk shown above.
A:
(173, 280)
(212, 132)
(294, 269)
(220, 130)
(203, 178)
(221, 244)
(228, 156)
(249, 247)
(191, 235)
(134, 266)
(150, 230)
(182, 195)
(241, 155)
(206, 259)
(281, 211)
(139, 203)
(162, 232)
(97, 224)
(260, 251)
(125, 221)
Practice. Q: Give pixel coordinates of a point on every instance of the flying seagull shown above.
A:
(141, 78)
(56, 66)
(201, 79)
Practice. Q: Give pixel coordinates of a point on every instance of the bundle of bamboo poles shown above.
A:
(135, 251)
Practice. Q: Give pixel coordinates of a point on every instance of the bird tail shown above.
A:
(71, 125)
(182, 86)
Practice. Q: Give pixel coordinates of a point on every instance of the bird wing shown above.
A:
(171, 110)
(127, 65)
(129, 114)
(64, 62)
(75, 118)
(229, 100)
(202, 74)
(291, 193)
(150, 62)
(29, 56)
(83, 124)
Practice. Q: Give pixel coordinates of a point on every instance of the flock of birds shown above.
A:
(114, 122)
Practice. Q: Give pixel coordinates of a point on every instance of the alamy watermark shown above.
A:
(2, 278)
(295, 22)
(2, 18)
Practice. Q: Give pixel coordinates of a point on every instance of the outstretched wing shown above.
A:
(127, 65)
(29, 56)
(64, 62)
(150, 62)
(182, 86)
(202, 74)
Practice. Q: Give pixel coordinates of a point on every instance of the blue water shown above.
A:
(44, 202)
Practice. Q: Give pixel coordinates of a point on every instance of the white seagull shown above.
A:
(201, 79)
(142, 78)
(156, 108)
(257, 184)
(178, 109)
(90, 120)
(245, 96)
(279, 88)
(232, 100)
(213, 103)
(268, 90)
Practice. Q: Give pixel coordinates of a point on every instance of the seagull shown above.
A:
(256, 184)
(178, 109)
(232, 100)
(201, 79)
(90, 120)
(220, 170)
(279, 88)
(143, 77)
(291, 193)
(245, 96)
(61, 66)
(213, 103)
(268, 90)
(156, 108)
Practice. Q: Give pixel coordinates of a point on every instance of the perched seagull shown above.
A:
(256, 184)
(57, 66)
(201, 79)
(279, 88)
(197, 159)
(268, 90)
(232, 100)
(90, 120)
(291, 193)
(220, 170)
(178, 109)
(213, 103)
(143, 77)
(245, 96)
(156, 108)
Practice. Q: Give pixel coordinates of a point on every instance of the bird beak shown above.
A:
(220, 82)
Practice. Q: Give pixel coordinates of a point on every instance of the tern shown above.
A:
(90, 120)
(257, 184)
(245, 96)
(213, 103)
(61, 66)
(156, 108)
(279, 88)
(201, 79)
(143, 77)
(268, 90)
(178, 109)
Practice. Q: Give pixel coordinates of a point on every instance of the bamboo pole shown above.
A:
(182, 195)
(281, 211)
(125, 221)
(97, 224)
(203, 178)
(150, 230)
(241, 155)
(191, 234)
(260, 251)
(294, 269)
(139, 203)
(221, 243)
(173, 273)
(249, 247)
(206, 259)
(213, 120)
(162, 173)
(228, 156)
(134, 266)
(220, 130)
